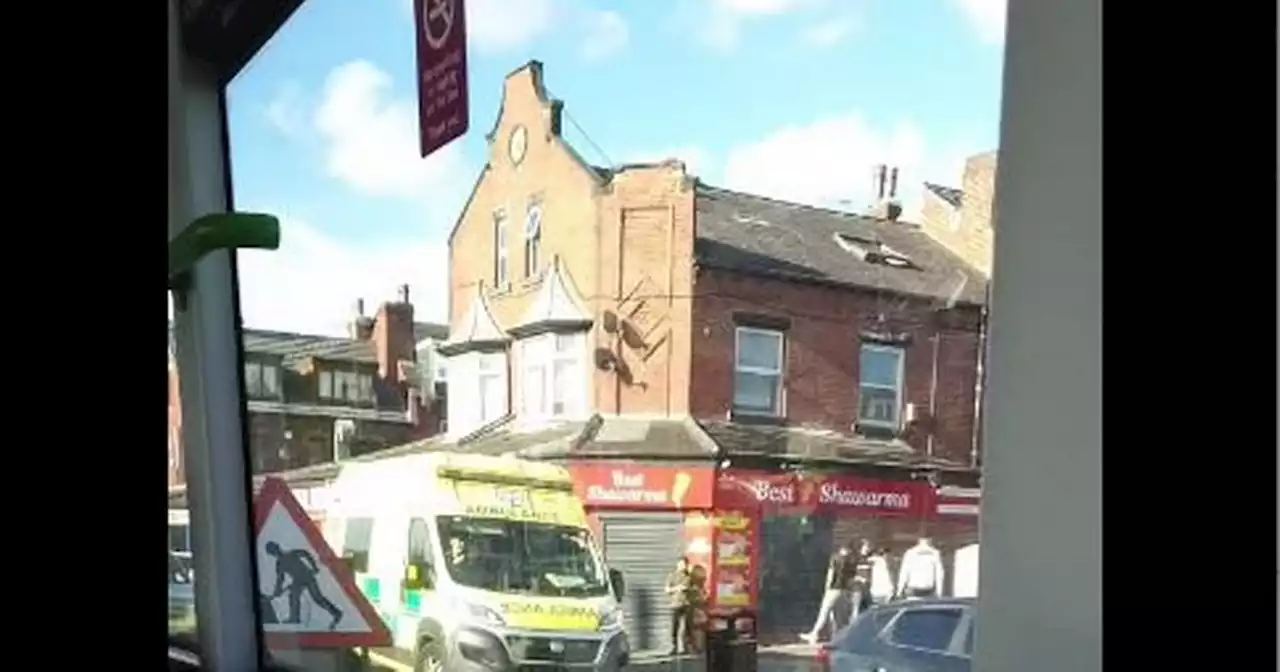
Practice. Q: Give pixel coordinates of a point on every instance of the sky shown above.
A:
(795, 99)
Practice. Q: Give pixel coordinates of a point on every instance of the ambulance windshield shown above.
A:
(521, 557)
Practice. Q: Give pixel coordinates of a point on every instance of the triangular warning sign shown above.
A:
(307, 596)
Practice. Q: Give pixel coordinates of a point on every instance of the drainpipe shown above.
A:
(980, 384)
(933, 391)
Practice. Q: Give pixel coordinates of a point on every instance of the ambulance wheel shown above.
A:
(429, 658)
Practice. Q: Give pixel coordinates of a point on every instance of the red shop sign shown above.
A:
(623, 485)
(833, 494)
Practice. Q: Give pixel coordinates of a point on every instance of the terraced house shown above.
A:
(314, 399)
(699, 355)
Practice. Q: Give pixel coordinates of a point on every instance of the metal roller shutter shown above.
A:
(644, 547)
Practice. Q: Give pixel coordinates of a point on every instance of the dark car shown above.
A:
(917, 635)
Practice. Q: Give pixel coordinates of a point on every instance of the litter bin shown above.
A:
(731, 644)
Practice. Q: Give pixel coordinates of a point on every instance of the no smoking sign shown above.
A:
(443, 110)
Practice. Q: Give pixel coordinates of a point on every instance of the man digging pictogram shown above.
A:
(301, 569)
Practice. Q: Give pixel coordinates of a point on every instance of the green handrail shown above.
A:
(219, 231)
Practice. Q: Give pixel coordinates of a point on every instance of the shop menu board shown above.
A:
(735, 559)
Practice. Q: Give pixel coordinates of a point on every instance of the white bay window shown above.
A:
(553, 379)
(477, 390)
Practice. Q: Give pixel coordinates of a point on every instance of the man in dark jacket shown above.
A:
(841, 573)
(683, 590)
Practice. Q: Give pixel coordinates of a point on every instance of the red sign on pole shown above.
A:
(443, 112)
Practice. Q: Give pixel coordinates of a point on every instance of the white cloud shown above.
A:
(829, 33)
(986, 17)
(719, 24)
(311, 283)
(755, 7)
(696, 161)
(372, 141)
(284, 113)
(607, 34)
(829, 162)
(495, 26)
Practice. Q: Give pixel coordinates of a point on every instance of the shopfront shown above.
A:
(646, 516)
(775, 531)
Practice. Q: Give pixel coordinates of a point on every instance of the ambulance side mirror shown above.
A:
(619, 585)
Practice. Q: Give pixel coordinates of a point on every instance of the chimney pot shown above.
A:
(359, 307)
(877, 177)
(893, 183)
(404, 293)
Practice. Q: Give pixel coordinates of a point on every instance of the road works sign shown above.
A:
(443, 111)
(308, 597)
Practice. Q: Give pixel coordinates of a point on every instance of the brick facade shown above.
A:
(626, 236)
(296, 429)
(968, 231)
(647, 211)
(821, 370)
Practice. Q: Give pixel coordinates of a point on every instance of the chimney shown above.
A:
(393, 336)
(885, 204)
(360, 328)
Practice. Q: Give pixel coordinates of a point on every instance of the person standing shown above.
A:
(682, 590)
(881, 584)
(840, 577)
(860, 590)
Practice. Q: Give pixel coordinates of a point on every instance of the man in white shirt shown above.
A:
(921, 574)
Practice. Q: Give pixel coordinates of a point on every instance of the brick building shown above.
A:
(312, 399)
(696, 355)
(962, 219)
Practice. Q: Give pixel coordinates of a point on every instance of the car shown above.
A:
(914, 635)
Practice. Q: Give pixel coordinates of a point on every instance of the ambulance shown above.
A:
(478, 562)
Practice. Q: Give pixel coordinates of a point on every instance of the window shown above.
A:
(553, 383)
(347, 386)
(492, 395)
(179, 540)
(532, 239)
(862, 634)
(532, 400)
(326, 385)
(500, 254)
(879, 385)
(757, 380)
(261, 380)
(419, 542)
(928, 629)
(355, 543)
(565, 372)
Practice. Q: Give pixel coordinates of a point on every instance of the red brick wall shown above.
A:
(821, 375)
(177, 475)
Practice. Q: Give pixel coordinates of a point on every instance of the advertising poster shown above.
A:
(735, 559)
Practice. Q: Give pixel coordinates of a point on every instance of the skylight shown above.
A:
(872, 250)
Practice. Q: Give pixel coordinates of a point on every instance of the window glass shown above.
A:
(879, 384)
(878, 366)
(253, 379)
(356, 539)
(326, 385)
(271, 381)
(862, 634)
(929, 629)
(759, 350)
(419, 541)
(968, 639)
